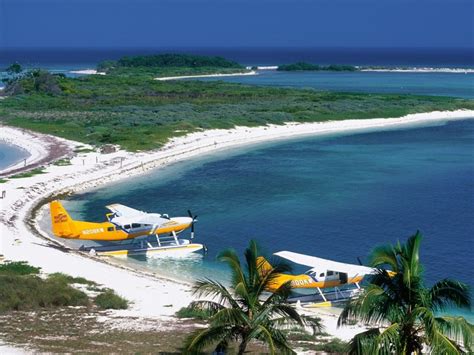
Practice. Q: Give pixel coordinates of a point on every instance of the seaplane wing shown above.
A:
(124, 211)
(325, 264)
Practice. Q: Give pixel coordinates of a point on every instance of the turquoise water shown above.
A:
(335, 197)
(10, 154)
(440, 84)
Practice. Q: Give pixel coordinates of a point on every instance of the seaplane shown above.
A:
(150, 234)
(340, 281)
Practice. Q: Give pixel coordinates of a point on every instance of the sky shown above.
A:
(235, 23)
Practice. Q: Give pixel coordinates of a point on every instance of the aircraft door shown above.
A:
(343, 277)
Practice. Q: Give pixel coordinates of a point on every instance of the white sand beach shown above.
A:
(152, 296)
(253, 72)
(87, 72)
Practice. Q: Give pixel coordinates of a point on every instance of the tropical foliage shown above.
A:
(139, 113)
(169, 60)
(245, 312)
(403, 312)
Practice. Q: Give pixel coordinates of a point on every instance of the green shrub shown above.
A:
(110, 300)
(62, 162)
(30, 173)
(18, 268)
(30, 292)
(333, 346)
(300, 66)
(70, 280)
(191, 312)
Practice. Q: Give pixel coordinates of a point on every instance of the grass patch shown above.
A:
(110, 300)
(18, 268)
(71, 280)
(84, 150)
(333, 346)
(30, 292)
(2, 181)
(30, 173)
(62, 162)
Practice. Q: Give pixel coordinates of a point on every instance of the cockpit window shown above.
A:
(136, 225)
(330, 273)
(321, 274)
(127, 226)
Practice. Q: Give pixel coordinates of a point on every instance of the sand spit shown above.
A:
(206, 76)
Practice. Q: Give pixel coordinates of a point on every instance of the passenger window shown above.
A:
(321, 274)
(330, 273)
(136, 225)
(110, 229)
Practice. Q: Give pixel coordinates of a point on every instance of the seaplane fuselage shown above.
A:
(311, 279)
(65, 227)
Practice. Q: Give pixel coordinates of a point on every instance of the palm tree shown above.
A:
(406, 310)
(245, 312)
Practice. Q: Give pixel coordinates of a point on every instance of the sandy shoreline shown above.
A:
(41, 148)
(151, 296)
(253, 72)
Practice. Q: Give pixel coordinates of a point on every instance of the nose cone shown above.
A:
(184, 221)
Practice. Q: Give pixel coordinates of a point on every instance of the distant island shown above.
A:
(129, 108)
(303, 66)
(171, 65)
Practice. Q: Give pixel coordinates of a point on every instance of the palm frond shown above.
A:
(278, 339)
(230, 257)
(208, 306)
(214, 290)
(230, 317)
(448, 292)
(364, 343)
(201, 339)
(383, 256)
(457, 329)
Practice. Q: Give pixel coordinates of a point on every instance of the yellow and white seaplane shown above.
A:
(326, 274)
(152, 234)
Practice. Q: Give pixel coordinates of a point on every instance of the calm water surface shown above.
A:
(10, 155)
(335, 197)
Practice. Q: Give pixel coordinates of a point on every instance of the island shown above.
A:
(128, 107)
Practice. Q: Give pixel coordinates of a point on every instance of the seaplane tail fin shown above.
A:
(63, 225)
(263, 265)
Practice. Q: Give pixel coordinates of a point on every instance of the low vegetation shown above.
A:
(192, 312)
(110, 300)
(23, 289)
(28, 173)
(62, 162)
(303, 66)
(18, 268)
(127, 107)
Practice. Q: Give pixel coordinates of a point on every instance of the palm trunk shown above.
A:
(242, 346)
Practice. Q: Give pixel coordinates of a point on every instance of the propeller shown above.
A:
(194, 218)
(360, 262)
